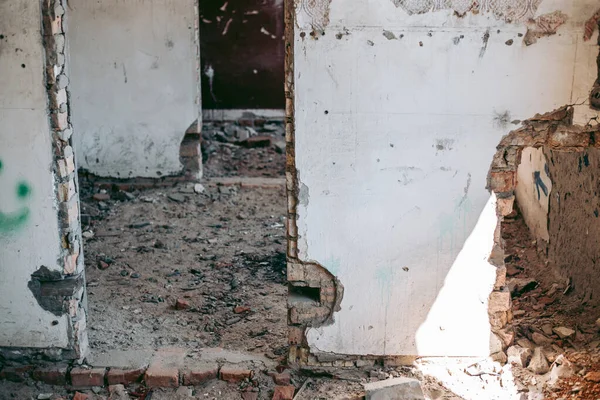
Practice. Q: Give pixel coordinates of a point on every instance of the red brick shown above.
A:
(284, 393)
(159, 375)
(234, 375)
(295, 335)
(249, 395)
(80, 396)
(282, 379)
(82, 377)
(502, 181)
(51, 375)
(124, 376)
(241, 309)
(15, 374)
(101, 197)
(182, 304)
(194, 376)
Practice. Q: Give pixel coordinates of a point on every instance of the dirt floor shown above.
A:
(219, 253)
(204, 267)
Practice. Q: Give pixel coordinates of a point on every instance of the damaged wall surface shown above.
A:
(29, 221)
(397, 114)
(135, 84)
(573, 218)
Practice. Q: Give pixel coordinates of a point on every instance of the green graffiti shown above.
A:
(12, 221)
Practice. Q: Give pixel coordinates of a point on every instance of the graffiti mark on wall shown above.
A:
(12, 220)
(539, 184)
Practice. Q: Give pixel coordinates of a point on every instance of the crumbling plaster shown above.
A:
(135, 84)
(39, 227)
(395, 120)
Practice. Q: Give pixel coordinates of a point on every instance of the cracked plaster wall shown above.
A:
(29, 223)
(135, 84)
(396, 120)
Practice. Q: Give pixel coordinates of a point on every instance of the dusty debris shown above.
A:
(223, 154)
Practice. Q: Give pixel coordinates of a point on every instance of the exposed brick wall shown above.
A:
(303, 277)
(65, 172)
(553, 131)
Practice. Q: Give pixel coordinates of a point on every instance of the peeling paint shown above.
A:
(544, 25)
(314, 13)
(51, 289)
(303, 194)
(506, 10)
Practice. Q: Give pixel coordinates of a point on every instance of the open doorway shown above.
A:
(172, 260)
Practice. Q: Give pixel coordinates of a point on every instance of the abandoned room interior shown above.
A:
(299, 199)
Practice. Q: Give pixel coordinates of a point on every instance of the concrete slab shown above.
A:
(121, 359)
(394, 389)
(220, 355)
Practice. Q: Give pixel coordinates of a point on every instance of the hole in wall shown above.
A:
(298, 294)
(544, 176)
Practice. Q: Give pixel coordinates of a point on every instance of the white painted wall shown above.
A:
(134, 84)
(393, 143)
(533, 191)
(26, 157)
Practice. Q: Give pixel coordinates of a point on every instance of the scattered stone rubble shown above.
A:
(236, 149)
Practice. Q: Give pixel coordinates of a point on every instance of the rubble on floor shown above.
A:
(172, 267)
(200, 267)
(557, 339)
(230, 149)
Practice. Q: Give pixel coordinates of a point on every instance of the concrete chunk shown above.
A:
(394, 389)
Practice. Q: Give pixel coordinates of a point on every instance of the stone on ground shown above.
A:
(519, 355)
(394, 389)
(563, 332)
(538, 363)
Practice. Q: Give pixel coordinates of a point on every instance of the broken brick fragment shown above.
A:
(241, 309)
(181, 304)
(502, 181)
(284, 393)
(198, 375)
(282, 379)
